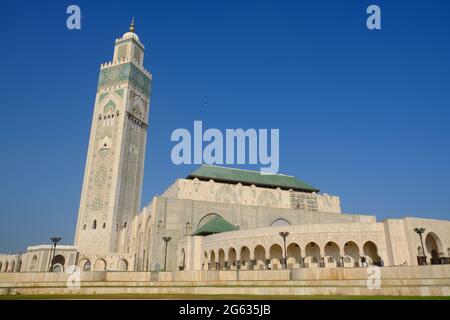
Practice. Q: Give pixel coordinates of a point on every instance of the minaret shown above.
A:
(111, 192)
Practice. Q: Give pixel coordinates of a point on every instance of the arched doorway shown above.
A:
(100, 265)
(205, 261)
(58, 262)
(212, 260)
(351, 251)
(85, 264)
(260, 257)
(332, 255)
(276, 256)
(371, 251)
(122, 265)
(312, 258)
(433, 247)
(232, 258)
(245, 259)
(221, 259)
(294, 255)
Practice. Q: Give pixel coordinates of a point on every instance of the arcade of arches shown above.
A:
(311, 255)
(320, 246)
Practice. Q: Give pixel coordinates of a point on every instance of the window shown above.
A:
(94, 225)
(84, 227)
(104, 225)
(125, 225)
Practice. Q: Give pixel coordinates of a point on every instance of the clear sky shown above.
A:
(362, 114)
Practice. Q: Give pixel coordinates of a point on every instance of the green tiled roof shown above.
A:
(247, 177)
(215, 225)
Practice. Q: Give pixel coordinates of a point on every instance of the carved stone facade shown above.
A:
(252, 196)
(111, 192)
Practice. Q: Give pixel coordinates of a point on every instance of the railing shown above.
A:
(445, 260)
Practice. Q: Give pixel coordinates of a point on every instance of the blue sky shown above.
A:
(362, 114)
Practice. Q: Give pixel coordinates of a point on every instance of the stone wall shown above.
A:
(178, 218)
(251, 195)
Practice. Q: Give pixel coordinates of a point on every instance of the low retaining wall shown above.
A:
(20, 277)
(411, 272)
(414, 280)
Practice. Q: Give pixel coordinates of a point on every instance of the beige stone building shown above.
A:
(216, 218)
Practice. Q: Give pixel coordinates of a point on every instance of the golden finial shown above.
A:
(132, 25)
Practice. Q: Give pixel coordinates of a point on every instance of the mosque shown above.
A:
(216, 218)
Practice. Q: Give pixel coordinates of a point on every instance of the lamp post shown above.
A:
(284, 236)
(54, 240)
(166, 240)
(420, 231)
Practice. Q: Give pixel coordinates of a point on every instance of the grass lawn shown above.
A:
(211, 297)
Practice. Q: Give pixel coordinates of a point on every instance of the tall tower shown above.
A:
(111, 192)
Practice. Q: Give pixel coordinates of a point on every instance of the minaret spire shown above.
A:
(132, 25)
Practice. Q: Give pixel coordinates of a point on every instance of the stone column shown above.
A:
(321, 261)
(238, 260)
(283, 263)
(361, 257)
(343, 256)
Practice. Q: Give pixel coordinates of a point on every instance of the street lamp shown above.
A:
(55, 240)
(166, 240)
(284, 236)
(420, 231)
